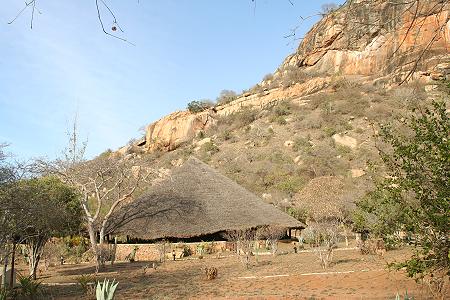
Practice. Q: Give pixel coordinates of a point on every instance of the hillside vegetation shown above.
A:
(275, 152)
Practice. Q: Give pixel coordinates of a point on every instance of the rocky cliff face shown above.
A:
(378, 40)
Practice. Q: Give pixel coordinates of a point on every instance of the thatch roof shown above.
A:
(323, 197)
(197, 200)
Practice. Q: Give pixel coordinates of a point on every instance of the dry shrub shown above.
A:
(244, 240)
(239, 119)
(226, 96)
(372, 246)
(343, 83)
(271, 234)
(314, 120)
(379, 111)
(356, 106)
(323, 238)
(211, 273)
(292, 75)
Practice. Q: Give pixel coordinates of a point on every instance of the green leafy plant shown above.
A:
(29, 287)
(85, 281)
(199, 106)
(187, 251)
(106, 290)
(210, 147)
(413, 196)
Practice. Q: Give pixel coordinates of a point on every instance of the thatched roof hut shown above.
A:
(197, 200)
(324, 197)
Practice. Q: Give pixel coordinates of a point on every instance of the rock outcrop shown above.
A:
(177, 128)
(378, 40)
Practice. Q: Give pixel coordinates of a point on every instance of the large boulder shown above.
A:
(177, 128)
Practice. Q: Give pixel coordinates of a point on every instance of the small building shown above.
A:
(196, 201)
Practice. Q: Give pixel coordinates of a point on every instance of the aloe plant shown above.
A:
(406, 297)
(3, 293)
(106, 290)
(30, 288)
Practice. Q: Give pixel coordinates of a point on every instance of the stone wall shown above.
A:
(147, 252)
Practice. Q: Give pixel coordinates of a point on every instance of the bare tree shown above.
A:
(104, 183)
(271, 234)
(329, 8)
(161, 246)
(244, 240)
(323, 238)
(103, 11)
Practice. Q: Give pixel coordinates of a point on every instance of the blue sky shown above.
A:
(184, 50)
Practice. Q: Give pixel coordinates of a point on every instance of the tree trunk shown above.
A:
(13, 262)
(35, 247)
(114, 250)
(94, 246)
(5, 267)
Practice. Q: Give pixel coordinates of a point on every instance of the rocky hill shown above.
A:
(316, 115)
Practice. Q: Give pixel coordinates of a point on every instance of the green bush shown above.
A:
(282, 109)
(199, 106)
(280, 120)
(239, 119)
(279, 158)
(291, 184)
(187, 251)
(30, 288)
(85, 280)
(226, 135)
(210, 147)
(300, 143)
(329, 131)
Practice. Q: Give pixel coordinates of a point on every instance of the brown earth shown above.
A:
(289, 276)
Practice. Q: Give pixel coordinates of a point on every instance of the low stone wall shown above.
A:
(148, 252)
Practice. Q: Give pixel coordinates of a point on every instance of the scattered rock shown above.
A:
(203, 141)
(177, 162)
(356, 173)
(431, 87)
(289, 144)
(345, 140)
(266, 197)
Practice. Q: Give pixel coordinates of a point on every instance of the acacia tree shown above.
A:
(104, 184)
(414, 195)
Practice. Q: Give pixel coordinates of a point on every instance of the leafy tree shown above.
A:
(199, 106)
(414, 196)
(50, 208)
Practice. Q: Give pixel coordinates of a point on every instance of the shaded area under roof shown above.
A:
(196, 200)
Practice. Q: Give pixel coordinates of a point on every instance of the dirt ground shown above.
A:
(288, 276)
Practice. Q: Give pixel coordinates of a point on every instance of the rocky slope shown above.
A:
(376, 41)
